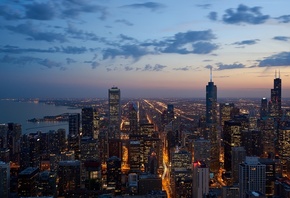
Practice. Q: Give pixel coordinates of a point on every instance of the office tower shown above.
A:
(133, 118)
(114, 112)
(181, 159)
(230, 192)
(87, 121)
(133, 183)
(69, 178)
(4, 179)
(276, 94)
(3, 136)
(252, 141)
(93, 175)
(282, 186)
(56, 141)
(269, 135)
(135, 149)
(226, 111)
(148, 182)
(115, 148)
(114, 175)
(211, 121)
(170, 113)
(89, 149)
(74, 124)
(283, 143)
(273, 171)
(13, 141)
(201, 150)
(153, 155)
(146, 130)
(200, 179)
(232, 138)
(264, 108)
(252, 176)
(238, 156)
(47, 184)
(27, 182)
(96, 123)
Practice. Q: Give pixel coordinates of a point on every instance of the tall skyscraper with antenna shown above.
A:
(275, 109)
(114, 113)
(211, 122)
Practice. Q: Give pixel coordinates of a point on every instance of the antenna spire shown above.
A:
(210, 76)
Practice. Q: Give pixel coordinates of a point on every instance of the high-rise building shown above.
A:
(200, 179)
(264, 108)
(238, 156)
(202, 150)
(69, 178)
(133, 118)
(211, 122)
(27, 182)
(226, 112)
(230, 192)
(114, 112)
(283, 143)
(4, 179)
(252, 176)
(114, 175)
(275, 109)
(88, 121)
(74, 124)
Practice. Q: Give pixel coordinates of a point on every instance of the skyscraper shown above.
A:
(114, 112)
(264, 108)
(276, 94)
(88, 121)
(252, 176)
(211, 122)
(200, 179)
(4, 179)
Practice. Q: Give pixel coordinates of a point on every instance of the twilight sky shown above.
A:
(162, 48)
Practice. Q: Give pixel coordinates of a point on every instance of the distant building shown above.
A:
(238, 157)
(88, 122)
(230, 192)
(200, 179)
(202, 150)
(275, 109)
(264, 108)
(148, 183)
(133, 118)
(252, 176)
(114, 112)
(114, 175)
(4, 179)
(27, 182)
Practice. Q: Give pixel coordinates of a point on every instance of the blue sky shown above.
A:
(81, 48)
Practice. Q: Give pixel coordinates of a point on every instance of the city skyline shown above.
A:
(146, 48)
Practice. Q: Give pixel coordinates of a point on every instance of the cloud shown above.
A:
(284, 19)
(156, 67)
(186, 68)
(204, 6)
(34, 33)
(9, 13)
(281, 38)
(148, 5)
(180, 43)
(280, 59)
(247, 42)
(244, 14)
(70, 61)
(213, 16)
(128, 68)
(24, 60)
(230, 66)
(208, 67)
(73, 50)
(127, 51)
(72, 9)
(94, 64)
(126, 38)
(39, 11)
(203, 47)
(123, 21)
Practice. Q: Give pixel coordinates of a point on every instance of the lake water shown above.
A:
(20, 112)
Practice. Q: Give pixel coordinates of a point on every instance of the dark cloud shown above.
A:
(149, 5)
(244, 14)
(73, 50)
(203, 47)
(70, 61)
(213, 16)
(73, 9)
(282, 38)
(24, 60)
(123, 21)
(40, 11)
(222, 66)
(34, 34)
(128, 68)
(94, 64)
(208, 67)
(179, 43)
(281, 59)
(126, 38)
(186, 68)
(204, 6)
(156, 67)
(284, 19)
(9, 13)
(247, 42)
(126, 51)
